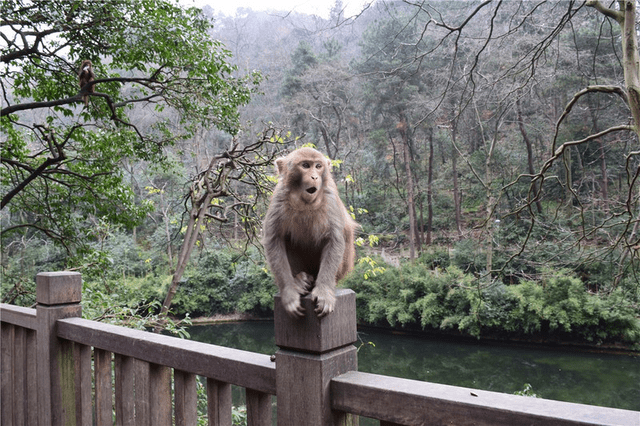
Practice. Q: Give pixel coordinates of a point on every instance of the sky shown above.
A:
(316, 7)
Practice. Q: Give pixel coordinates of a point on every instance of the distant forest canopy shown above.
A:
(501, 135)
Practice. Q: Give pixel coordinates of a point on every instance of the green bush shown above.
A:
(558, 307)
(224, 281)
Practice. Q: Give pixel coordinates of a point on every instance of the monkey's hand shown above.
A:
(291, 294)
(325, 298)
(305, 282)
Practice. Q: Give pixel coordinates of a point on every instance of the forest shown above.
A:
(489, 151)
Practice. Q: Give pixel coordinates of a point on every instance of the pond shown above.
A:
(564, 375)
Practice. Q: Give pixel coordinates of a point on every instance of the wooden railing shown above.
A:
(58, 369)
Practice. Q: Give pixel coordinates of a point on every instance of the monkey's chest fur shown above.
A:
(306, 232)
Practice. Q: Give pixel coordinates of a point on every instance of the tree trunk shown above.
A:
(604, 184)
(527, 142)
(403, 128)
(430, 190)
(196, 218)
(456, 189)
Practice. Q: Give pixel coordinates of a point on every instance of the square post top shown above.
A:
(58, 288)
(317, 335)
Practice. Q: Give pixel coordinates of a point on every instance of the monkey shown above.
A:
(308, 234)
(85, 75)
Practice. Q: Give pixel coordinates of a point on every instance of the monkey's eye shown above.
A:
(318, 166)
(306, 165)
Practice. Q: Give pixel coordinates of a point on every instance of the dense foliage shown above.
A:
(490, 148)
(558, 308)
(66, 167)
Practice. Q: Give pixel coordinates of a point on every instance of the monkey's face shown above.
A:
(311, 175)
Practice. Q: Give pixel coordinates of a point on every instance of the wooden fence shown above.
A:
(59, 369)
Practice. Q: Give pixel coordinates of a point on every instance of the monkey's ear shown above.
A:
(281, 164)
(328, 164)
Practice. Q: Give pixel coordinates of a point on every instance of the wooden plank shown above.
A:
(410, 402)
(141, 372)
(125, 396)
(242, 368)
(304, 382)
(31, 397)
(67, 388)
(51, 410)
(6, 363)
(17, 315)
(160, 395)
(258, 408)
(218, 403)
(103, 390)
(58, 288)
(83, 391)
(313, 334)
(186, 398)
(19, 376)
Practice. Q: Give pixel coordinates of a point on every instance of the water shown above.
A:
(564, 375)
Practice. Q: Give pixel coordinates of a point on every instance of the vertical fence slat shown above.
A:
(103, 391)
(218, 403)
(160, 395)
(31, 397)
(186, 398)
(82, 356)
(125, 396)
(19, 376)
(258, 408)
(141, 371)
(67, 365)
(6, 350)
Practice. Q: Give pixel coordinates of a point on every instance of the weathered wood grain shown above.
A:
(218, 403)
(103, 388)
(160, 395)
(141, 383)
(411, 402)
(242, 368)
(83, 390)
(313, 334)
(17, 315)
(125, 395)
(258, 408)
(186, 398)
(6, 377)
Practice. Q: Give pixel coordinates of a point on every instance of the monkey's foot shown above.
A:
(325, 300)
(290, 298)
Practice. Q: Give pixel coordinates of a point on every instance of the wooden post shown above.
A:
(312, 352)
(58, 295)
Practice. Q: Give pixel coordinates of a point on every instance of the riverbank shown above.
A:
(225, 318)
(533, 342)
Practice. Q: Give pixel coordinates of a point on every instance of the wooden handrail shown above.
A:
(412, 402)
(17, 315)
(247, 369)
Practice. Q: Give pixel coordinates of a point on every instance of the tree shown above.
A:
(393, 82)
(213, 196)
(159, 77)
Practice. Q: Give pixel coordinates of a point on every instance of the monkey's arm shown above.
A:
(291, 288)
(332, 257)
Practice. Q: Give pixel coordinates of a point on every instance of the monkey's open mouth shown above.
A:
(312, 190)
